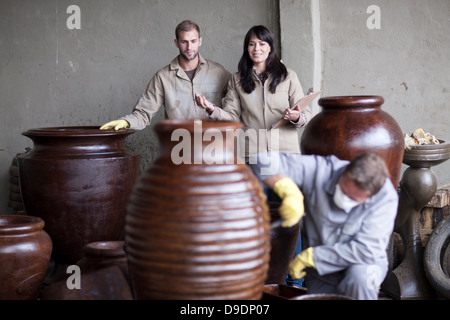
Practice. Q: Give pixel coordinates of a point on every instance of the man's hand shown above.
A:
(116, 125)
(292, 208)
(303, 260)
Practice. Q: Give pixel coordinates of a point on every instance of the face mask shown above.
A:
(342, 200)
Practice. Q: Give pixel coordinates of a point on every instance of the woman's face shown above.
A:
(258, 51)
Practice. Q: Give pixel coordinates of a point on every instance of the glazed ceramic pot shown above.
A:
(78, 180)
(25, 250)
(103, 275)
(282, 292)
(102, 254)
(350, 125)
(197, 224)
(283, 242)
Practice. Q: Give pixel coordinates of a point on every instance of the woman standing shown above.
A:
(260, 94)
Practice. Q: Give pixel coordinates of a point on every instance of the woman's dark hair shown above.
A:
(274, 66)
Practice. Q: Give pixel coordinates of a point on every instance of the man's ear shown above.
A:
(175, 41)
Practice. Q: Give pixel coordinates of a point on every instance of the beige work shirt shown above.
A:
(259, 110)
(171, 87)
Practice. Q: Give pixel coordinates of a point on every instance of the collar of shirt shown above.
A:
(330, 185)
(174, 65)
(260, 76)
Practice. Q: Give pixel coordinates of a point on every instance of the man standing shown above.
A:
(350, 213)
(175, 85)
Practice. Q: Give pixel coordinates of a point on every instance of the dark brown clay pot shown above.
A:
(25, 250)
(102, 254)
(350, 125)
(282, 292)
(78, 179)
(197, 231)
(283, 242)
(107, 283)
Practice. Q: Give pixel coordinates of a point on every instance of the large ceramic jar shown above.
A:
(78, 179)
(25, 250)
(197, 224)
(350, 125)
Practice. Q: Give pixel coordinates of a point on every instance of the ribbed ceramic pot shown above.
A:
(350, 125)
(198, 228)
(25, 250)
(78, 179)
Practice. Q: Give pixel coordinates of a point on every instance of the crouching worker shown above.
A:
(350, 209)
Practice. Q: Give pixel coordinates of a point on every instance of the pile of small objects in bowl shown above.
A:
(418, 138)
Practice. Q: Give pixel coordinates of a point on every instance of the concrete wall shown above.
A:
(53, 76)
(407, 60)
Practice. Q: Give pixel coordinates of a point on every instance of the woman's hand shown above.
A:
(292, 114)
(203, 103)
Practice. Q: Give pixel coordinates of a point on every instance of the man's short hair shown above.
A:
(368, 171)
(186, 25)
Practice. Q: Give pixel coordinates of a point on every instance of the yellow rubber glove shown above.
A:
(291, 209)
(303, 260)
(116, 125)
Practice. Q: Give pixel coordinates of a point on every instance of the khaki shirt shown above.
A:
(259, 110)
(170, 87)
